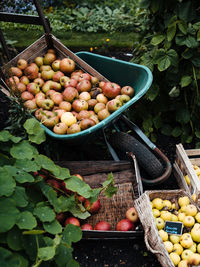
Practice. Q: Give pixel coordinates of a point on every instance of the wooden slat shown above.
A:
(195, 161)
(193, 152)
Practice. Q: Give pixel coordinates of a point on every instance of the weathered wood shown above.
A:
(93, 167)
(193, 152)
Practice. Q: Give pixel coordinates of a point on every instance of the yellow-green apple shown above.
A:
(174, 218)
(45, 67)
(15, 71)
(69, 94)
(102, 114)
(92, 207)
(56, 65)
(125, 225)
(56, 86)
(195, 232)
(49, 118)
(74, 128)
(174, 239)
(39, 97)
(26, 96)
(197, 217)
(127, 90)
(33, 88)
(191, 210)
(47, 86)
(30, 104)
(39, 61)
(160, 223)
(175, 258)
(181, 216)
(101, 84)
(102, 226)
(87, 226)
(72, 220)
(183, 201)
(194, 259)
(65, 105)
(67, 65)
(47, 74)
(163, 235)
(193, 248)
(169, 246)
(22, 64)
(113, 105)
(132, 215)
(156, 213)
(186, 254)
(85, 96)
(68, 118)
(94, 80)
(177, 248)
(111, 90)
(63, 80)
(198, 248)
(86, 123)
(57, 75)
(79, 105)
(188, 221)
(186, 240)
(98, 107)
(84, 86)
(60, 128)
(101, 98)
(47, 104)
(39, 81)
(183, 263)
(123, 98)
(49, 58)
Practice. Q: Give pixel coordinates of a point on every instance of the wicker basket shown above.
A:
(152, 238)
(185, 158)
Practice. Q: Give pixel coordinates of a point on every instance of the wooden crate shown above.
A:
(112, 209)
(152, 238)
(185, 159)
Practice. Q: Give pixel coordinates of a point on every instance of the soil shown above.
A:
(109, 253)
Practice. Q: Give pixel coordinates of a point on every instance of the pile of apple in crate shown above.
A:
(63, 97)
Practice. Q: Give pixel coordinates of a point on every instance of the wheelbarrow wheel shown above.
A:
(123, 142)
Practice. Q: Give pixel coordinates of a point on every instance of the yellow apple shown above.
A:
(168, 246)
(167, 204)
(197, 217)
(183, 201)
(198, 248)
(160, 223)
(178, 249)
(191, 210)
(68, 118)
(186, 240)
(183, 208)
(187, 179)
(165, 215)
(193, 248)
(175, 258)
(194, 259)
(174, 239)
(156, 213)
(186, 254)
(194, 197)
(188, 221)
(183, 263)
(174, 207)
(174, 218)
(163, 235)
(157, 203)
(181, 216)
(195, 232)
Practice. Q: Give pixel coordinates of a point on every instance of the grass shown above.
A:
(76, 40)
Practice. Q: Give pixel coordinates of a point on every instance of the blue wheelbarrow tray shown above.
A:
(118, 71)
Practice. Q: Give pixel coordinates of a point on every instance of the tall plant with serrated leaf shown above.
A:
(169, 46)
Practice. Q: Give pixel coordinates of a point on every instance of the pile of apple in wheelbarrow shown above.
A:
(62, 96)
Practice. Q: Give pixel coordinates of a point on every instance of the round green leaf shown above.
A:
(53, 227)
(72, 263)
(45, 214)
(71, 234)
(26, 221)
(14, 240)
(23, 150)
(7, 259)
(46, 253)
(6, 136)
(7, 183)
(63, 255)
(24, 177)
(27, 165)
(23, 261)
(20, 197)
(8, 214)
(35, 131)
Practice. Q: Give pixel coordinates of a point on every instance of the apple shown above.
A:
(30, 104)
(52, 182)
(15, 71)
(67, 65)
(21, 87)
(125, 225)
(86, 123)
(33, 88)
(188, 221)
(49, 118)
(181, 216)
(56, 65)
(87, 226)
(47, 104)
(166, 215)
(101, 84)
(84, 86)
(57, 75)
(174, 239)
(94, 80)
(12, 81)
(49, 58)
(24, 80)
(98, 107)
(47, 74)
(160, 223)
(39, 61)
(163, 235)
(193, 248)
(132, 215)
(58, 111)
(186, 254)
(69, 94)
(74, 128)
(60, 217)
(186, 240)
(111, 90)
(31, 72)
(175, 258)
(101, 98)
(94, 118)
(169, 246)
(157, 203)
(113, 105)
(177, 248)
(195, 232)
(183, 201)
(51, 50)
(194, 259)
(156, 213)
(102, 114)
(102, 226)
(183, 263)
(85, 96)
(71, 82)
(49, 93)
(127, 90)
(64, 79)
(79, 105)
(26, 96)
(198, 248)
(47, 86)
(39, 97)
(174, 218)
(22, 64)
(68, 118)
(92, 207)
(57, 98)
(197, 217)
(95, 91)
(39, 81)
(191, 210)
(56, 86)
(67, 106)
(72, 220)
(84, 76)
(60, 128)
(77, 72)
(83, 114)
(91, 103)
(45, 68)
(123, 98)
(39, 113)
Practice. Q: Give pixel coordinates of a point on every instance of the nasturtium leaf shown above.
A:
(77, 212)
(22, 150)
(183, 115)
(45, 163)
(35, 131)
(27, 165)
(14, 239)
(63, 255)
(45, 214)
(23, 262)
(157, 39)
(196, 61)
(157, 121)
(65, 203)
(7, 183)
(7, 259)
(30, 246)
(62, 173)
(24, 177)
(176, 131)
(72, 263)
(8, 214)
(94, 195)
(185, 80)
(110, 191)
(173, 56)
(48, 241)
(71, 233)
(77, 185)
(198, 35)
(53, 227)
(46, 253)
(109, 180)
(6, 136)
(12, 170)
(20, 197)
(26, 220)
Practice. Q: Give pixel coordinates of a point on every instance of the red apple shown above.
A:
(56, 86)
(60, 217)
(31, 72)
(111, 90)
(67, 65)
(26, 96)
(72, 220)
(91, 103)
(92, 207)
(69, 94)
(84, 86)
(101, 84)
(60, 128)
(67, 106)
(102, 226)
(87, 226)
(84, 76)
(30, 104)
(49, 58)
(49, 118)
(57, 75)
(22, 64)
(86, 123)
(83, 114)
(59, 112)
(71, 82)
(80, 198)
(14, 71)
(57, 98)
(102, 114)
(38, 113)
(79, 105)
(127, 90)
(125, 225)
(21, 87)
(33, 88)
(113, 105)
(12, 81)
(132, 215)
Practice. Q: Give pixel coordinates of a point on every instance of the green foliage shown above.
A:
(30, 234)
(169, 46)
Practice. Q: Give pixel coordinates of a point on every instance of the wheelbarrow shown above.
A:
(124, 73)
